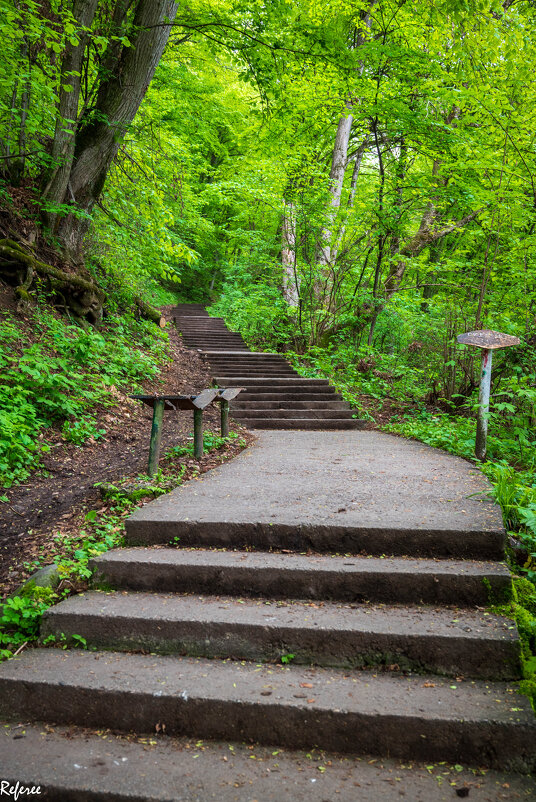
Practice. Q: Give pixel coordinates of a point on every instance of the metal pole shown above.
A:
(483, 404)
(198, 433)
(224, 411)
(156, 437)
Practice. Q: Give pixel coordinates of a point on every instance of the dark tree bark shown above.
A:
(66, 121)
(101, 129)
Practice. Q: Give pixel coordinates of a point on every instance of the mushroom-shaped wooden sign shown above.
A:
(488, 340)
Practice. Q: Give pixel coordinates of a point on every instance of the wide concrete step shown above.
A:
(260, 373)
(186, 331)
(319, 424)
(252, 395)
(252, 372)
(240, 362)
(216, 335)
(317, 576)
(299, 383)
(255, 371)
(148, 527)
(229, 368)
(239, 405)
(410, 717)
(212, 335)
(224, 347)
(200, 321)
(82, 766)
(448, 642)
(249, 356)
(246, 352)
(217, 341)
(294, 414)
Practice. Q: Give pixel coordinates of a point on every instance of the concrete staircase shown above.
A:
(378, 662)
(275, 396)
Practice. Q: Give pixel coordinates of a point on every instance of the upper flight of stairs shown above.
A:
(274, 395)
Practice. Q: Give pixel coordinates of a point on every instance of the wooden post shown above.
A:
(224, 415)
(198, 433)
(156, 437)
(483, 404)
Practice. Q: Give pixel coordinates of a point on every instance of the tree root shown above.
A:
(81, 297)
(84, 298)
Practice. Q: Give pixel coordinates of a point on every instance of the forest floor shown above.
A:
(56, 499)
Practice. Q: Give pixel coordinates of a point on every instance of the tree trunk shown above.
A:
(66, 121)
(336, 176)
(101, 130)
(422, 239)
(291, 289)
(351, 197)
(150, 312)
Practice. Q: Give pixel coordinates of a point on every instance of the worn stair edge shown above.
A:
(318, 424)
(143, 530)
(274, 575)
(302, 393)
(80, 766)
(244, 406)
(275, 373)
(444, 642)
(405, 717)
(290, 382)
(295, 414)
(248, 357)
(287, 394)
(269, 370)
(246, 352)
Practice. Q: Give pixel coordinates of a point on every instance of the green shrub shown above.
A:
(60, 379)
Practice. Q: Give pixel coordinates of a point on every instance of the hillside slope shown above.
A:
(55, 494)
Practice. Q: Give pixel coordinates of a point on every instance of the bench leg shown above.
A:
(156, 437)
(198, 433)
(224, 411)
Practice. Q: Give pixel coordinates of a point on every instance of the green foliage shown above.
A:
(58, 380)
(287, 658)
(522, 609)
(20, 617)
(211, 442)
(259, 313)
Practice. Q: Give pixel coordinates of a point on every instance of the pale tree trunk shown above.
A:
(291, 288)
(339, 161)
(351, 197)
(336, 177)
(101, 131)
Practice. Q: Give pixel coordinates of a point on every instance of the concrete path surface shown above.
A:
(387, 489)
(325, 590)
